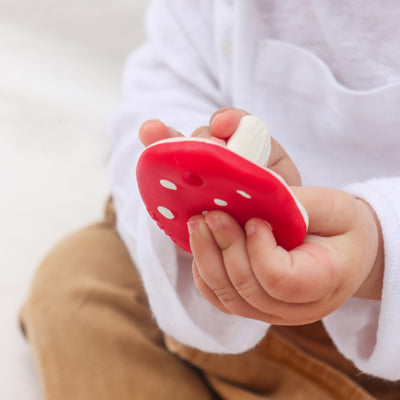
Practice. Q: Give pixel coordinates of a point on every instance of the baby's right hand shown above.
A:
(223, 123)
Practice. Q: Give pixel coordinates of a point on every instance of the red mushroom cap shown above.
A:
(180, 178)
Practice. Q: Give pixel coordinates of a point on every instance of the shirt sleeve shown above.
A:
(172, 77)
(365, 331)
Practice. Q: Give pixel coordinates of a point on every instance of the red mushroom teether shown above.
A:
(182, 177)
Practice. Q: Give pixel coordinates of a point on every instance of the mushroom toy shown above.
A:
(182, 177)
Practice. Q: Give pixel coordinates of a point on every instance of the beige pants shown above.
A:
(94, 338)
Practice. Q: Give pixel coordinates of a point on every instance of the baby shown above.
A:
(117, 311)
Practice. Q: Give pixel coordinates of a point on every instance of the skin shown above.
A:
(244, 272)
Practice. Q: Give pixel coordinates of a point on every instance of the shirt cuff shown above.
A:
(367, 331)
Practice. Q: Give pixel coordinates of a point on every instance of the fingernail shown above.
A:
(250, 228)
(193, 225)
(212, 222)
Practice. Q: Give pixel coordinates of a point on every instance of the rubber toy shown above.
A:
(182, 177)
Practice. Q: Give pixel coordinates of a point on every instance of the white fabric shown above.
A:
(326, 78)
(59, 79)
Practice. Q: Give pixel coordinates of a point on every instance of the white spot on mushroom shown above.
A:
(244, 194)
(168, 184)
(220, 202)
(165, 212)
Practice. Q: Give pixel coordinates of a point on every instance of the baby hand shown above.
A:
(223, 124)
(245, 273)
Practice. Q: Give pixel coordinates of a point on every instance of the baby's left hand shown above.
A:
(245, 273)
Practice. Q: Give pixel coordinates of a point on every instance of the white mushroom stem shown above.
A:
(251, 140)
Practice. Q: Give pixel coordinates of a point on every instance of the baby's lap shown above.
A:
(93, 258)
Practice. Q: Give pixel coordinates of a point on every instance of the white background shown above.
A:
(60, 70)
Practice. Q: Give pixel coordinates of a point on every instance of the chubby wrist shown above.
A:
(371, 288)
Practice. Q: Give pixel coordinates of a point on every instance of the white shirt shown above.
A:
(325, 77)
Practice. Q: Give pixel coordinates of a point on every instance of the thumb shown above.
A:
(331, 212)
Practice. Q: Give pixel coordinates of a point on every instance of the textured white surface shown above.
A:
(252, 140)
(60, 67)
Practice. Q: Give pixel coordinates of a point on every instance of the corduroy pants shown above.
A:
(93, 337)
